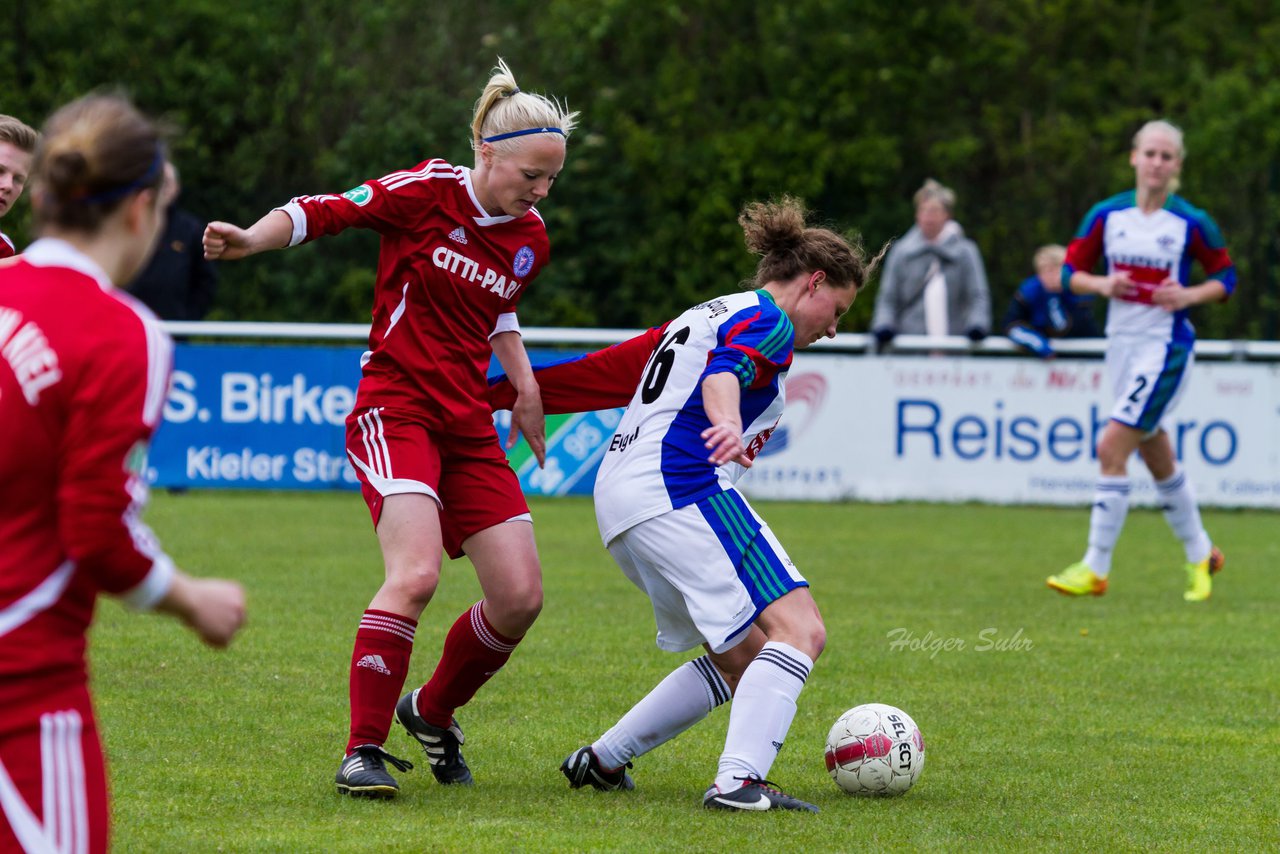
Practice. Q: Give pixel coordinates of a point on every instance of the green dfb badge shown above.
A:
(360, 195)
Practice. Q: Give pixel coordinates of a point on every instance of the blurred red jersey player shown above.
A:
(83, 373)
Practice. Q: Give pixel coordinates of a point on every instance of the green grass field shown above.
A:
(1130, 722)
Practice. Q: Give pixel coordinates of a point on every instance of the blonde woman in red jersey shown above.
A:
(459, 247)
(84, 369)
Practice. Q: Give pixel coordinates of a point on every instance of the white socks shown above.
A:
(1178, 502)
(1110, 506)
(686, 696)
(763, 707)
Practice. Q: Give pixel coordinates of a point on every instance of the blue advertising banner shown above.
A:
(272, 417)
(257, 417)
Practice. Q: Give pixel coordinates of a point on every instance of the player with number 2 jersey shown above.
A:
(1149, 238)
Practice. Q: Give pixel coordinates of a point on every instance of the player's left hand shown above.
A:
(527, 418)
(1171, 295)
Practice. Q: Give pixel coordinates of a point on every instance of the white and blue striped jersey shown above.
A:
(1150, 247)
(657, 459)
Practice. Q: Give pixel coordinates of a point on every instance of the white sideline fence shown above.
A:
(933, 419)
(844, 342)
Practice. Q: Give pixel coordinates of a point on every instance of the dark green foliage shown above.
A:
(689, 110)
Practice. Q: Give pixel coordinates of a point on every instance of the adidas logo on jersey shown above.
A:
(374, 662)
(458, 235)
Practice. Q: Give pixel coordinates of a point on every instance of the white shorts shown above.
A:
(1148, 377)
(709, 568)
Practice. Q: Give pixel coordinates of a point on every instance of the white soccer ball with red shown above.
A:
(874, 749)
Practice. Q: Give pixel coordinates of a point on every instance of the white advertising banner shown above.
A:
(1005, 431)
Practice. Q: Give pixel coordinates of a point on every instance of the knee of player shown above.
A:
(416, 584)
(1113, 456)
(516, 607)
(815, 639)
(530, 605)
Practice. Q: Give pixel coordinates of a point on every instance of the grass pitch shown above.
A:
(1134, 721)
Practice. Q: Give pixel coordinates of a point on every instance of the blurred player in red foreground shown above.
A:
(459, 247)
(84, 369)
(1149, 237)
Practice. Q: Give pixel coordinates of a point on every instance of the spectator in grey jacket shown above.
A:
(933, 281)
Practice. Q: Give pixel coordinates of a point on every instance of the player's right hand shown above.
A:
(724, 441)
(225, 242)
(1118, 285)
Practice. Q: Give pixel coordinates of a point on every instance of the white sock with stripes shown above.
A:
(686, 696)
(1110, 506)
(763, 708)
(1178, 501)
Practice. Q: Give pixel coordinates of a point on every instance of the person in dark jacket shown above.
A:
(178, 284)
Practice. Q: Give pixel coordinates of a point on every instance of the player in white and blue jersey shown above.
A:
(657, 459)
(1149, 238)
(707, 399)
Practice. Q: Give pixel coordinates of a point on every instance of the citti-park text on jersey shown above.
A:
(460, 265)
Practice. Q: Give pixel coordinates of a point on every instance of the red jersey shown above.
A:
(7, 249)
(84, 370)
(449, 276)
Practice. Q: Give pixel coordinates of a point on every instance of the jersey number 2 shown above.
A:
(1142, 384)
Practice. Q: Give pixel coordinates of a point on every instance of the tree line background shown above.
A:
(689, 110)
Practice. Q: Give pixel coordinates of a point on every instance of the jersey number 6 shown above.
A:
(660, 364)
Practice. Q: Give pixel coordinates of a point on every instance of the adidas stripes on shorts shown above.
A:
(394, 453)
(53, 781)
(709, 569)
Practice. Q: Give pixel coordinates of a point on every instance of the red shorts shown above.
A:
(53, 779)
(394, 453)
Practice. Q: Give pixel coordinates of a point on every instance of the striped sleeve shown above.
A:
(754, 345)
(1207, 246)
(392, 204)
(1086, 247)
(117, 402)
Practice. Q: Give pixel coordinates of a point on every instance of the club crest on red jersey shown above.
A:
(360, 195)
(523, 262)
(135, 462)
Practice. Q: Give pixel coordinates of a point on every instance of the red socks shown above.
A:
(379, 664)
(473, 652)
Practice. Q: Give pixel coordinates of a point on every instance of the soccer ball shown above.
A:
(874, 749)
